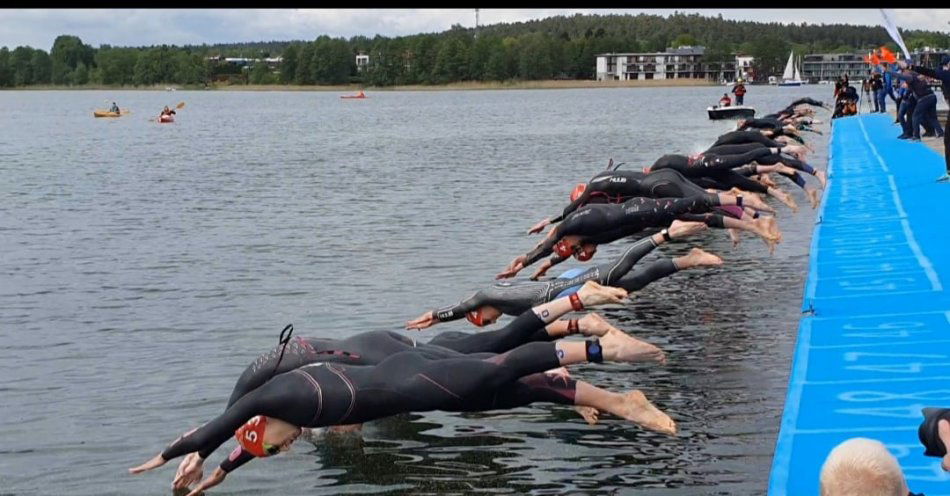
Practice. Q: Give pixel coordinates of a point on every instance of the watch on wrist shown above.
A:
(666, 235)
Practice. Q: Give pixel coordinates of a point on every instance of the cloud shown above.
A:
(136, 27)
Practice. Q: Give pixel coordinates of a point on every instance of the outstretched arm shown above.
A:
(447, 314)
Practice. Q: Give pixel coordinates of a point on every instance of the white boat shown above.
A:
(731, 112)
(791, 76)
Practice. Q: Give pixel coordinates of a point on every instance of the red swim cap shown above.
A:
(578, 191)
(563, 249)
(585, 253)
(475, 317)
(251, 435)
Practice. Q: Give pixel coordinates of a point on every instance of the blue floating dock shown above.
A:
(874, 339)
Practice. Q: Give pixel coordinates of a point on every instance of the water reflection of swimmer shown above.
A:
(487, 305)
(268, 419)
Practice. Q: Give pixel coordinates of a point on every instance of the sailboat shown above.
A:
(791, 76)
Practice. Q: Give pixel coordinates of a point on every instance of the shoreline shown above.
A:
(461, 86)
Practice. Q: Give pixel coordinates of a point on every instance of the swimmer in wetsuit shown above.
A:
(719, 169)
(487, 305)
(371, 348)
(593, 225)
(269, 418)
(788, 167)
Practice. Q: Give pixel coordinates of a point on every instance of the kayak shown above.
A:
(353, 96)
(166, 118)
(106, 113)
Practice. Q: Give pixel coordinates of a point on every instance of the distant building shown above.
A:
(928, 56)
(830, 66)
(272, 62)
(744, 67)
(362, 61)
(685, 62)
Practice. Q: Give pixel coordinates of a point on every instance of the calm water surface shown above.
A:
(143, 266)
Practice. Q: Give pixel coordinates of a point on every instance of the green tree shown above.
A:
(304, 74)
(67, 52)
(42, 67)
(80, 75)
(21, 59)
(6, 71)
(771, 55)
(288, 66)
(261, 74)
(684, 40)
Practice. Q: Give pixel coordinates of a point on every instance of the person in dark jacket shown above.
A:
(926, 111)
(943, 75)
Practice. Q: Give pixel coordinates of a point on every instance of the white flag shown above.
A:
(891, 28)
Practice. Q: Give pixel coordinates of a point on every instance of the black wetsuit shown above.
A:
(707, 163)
(601, 224)
(618, 186)
(513, 298)
(371, 348)
(323, 394)
(771, 159)
(761, 123)
(744, 137)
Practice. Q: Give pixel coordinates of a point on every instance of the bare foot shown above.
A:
(590, 414)
(734, 236)
(769, 224)
(697, 257)
(786, 199)
(755, 201)
(822, 178)
(767, 180)
(814, 197)
(635, 407)
(593, 324)
(621, 347)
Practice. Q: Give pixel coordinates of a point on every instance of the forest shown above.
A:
(563, 47)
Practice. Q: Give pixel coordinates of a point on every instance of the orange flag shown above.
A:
(888, 56)
(875, 59)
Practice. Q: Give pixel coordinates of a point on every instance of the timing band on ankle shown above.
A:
(595, 353)
(576, 302)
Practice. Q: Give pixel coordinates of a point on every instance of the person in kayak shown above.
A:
(372, 347)
(739, 90)
(268, 419)
(167, 111)
(114, 108)
(725, 101)
(485, 306)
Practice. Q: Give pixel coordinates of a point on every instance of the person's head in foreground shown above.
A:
(934, 434)
(862, 467)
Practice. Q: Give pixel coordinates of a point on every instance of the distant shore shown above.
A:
(468, 85)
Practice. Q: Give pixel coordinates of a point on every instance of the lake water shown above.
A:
(144, 266)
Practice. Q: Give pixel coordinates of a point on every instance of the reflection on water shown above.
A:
(145, 266)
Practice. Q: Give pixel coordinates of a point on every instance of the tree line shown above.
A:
(563, 47)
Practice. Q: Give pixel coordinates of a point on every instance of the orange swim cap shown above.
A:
(578, 191)
(475, 317)
(251, 435)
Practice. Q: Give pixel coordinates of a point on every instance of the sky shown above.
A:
(137, 27)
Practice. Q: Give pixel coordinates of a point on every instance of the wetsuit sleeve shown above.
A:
(936, 74)
(544, 249)
(576, 204)
(746, 170)
(459, 310)
(237, 458)
(277, 398)
(611, 273)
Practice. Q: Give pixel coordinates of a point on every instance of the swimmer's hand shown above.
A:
(214, 479)
(593, 294)
(513, 268)
(539, 226)
(542, 269)
(680, 229)
(190, 470)
(423, 321)
(155, 462)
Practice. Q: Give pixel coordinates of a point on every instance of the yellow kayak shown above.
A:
(106, 113)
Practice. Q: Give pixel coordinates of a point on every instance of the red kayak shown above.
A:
(166, 118)
(353, 96)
